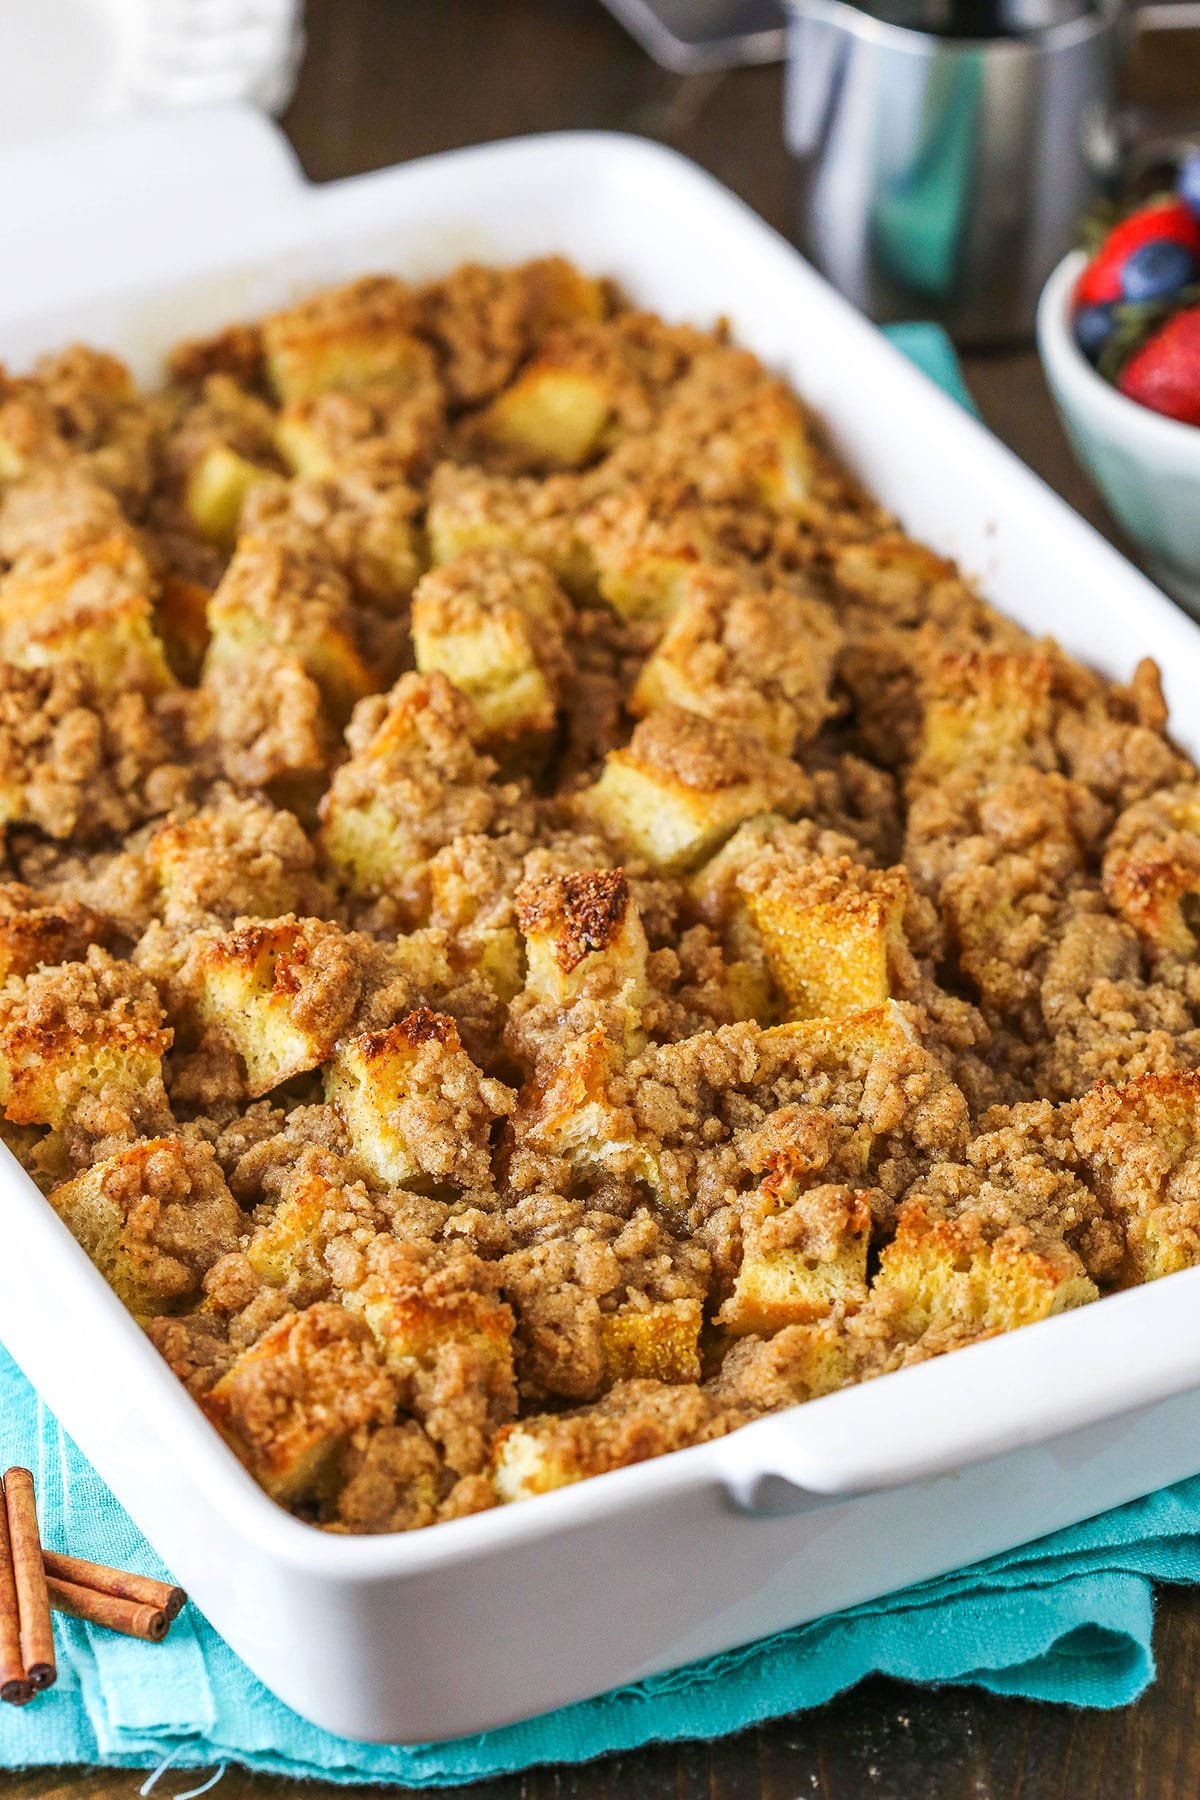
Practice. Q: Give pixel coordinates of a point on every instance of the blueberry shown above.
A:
(1157, 270)
(1188, 181)
(1092, 326)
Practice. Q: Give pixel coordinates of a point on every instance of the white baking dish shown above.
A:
(482, 1621)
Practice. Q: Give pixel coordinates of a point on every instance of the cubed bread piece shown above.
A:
(418, 1298)
(758, 661)
(285, 1250)
(367, 523)
(59, 509)
(645, 558)
(892, 573)
(494, 625)
(470, 509)
(795, 1364)
(1152, 868)
(235, 858)
(804, 1251)
(730, 431)
(289, 1403)
(553, 416)
(958, 1279)
(588, 383)
(832, 930)
(279, 993)
(153, 1219)
(566, 1111)
(486, 321)
(434, 1313)
(414, 782)
(684, 784)
(987, 707)
(33, 935)
(282, 591)
(384, 431)
(582, 931)
(415, 1105)
(217, 490)
(270, 725)
(318, 1205)
(346, 337)
(655, 1340)
(92, 606)
(1140, 1142)
(634, 1420)
(92, 1028)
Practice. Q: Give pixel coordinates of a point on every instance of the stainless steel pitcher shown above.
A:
(943, 175)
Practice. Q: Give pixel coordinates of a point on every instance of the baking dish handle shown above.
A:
(1032, 1386)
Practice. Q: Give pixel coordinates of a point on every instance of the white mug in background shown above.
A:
(947, 151)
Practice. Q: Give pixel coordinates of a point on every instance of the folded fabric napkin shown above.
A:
(1067, 1618)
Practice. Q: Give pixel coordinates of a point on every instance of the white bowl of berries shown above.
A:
(1119, 336)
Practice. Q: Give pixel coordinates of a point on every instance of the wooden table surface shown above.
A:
(386, 80)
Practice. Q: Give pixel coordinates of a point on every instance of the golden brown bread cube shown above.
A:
(92, 606)
(635, 1420)
(1140, 1144)
(756, 660)
(957, 1278)
(235, 858)
(641, 560)
(567, 1112)
(470, 510)
(987, 707)
(415, 1105)
(683, 785)
(368, 522)
(494, 625)
(1152, 868)
(555, 416)
(153, 1219)
(414, 782)
(657, 1340)
(217, 490)
(290, 1402)
(832, 931)
(346, 337)
(411, 1324)
(434, 1313)
(282, 591)
(276, 992)
(34, 935)
(582, 929)
(90, 1028)
(804, 1251)
(892, 573)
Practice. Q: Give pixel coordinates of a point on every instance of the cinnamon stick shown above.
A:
(33, 1602)
(13, 1686)
(120, 1583)
(109, 1610)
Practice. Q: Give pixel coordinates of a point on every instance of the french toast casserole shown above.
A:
(539, 926)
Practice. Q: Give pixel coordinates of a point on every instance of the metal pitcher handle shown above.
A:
(1148, 134)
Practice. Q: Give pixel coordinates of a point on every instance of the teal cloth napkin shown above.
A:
(1068, 1618)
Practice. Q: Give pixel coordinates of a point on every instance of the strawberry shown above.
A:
(1100, 283)
(1165, 373)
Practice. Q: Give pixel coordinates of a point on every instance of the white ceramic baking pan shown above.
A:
(478, 1622)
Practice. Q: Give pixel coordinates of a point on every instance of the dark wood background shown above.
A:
(387, 80)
